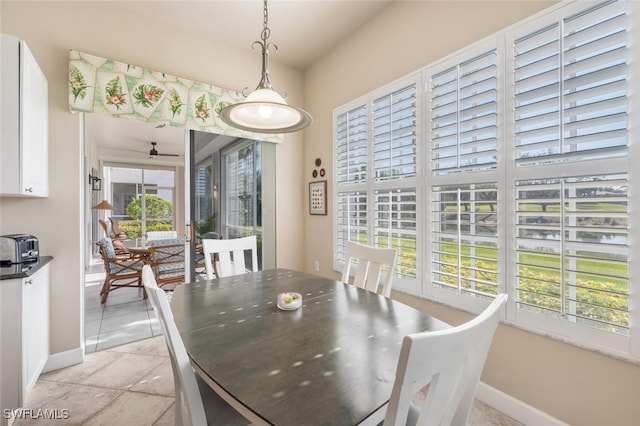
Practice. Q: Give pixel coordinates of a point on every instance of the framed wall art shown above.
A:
(318, 197)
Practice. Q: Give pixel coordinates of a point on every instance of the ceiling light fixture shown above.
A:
(264, 110)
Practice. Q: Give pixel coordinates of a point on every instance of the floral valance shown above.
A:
(105, 86)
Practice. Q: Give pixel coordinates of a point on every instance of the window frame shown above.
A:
(371, 185)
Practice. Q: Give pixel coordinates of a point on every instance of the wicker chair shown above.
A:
(122, 269)
(167, 260)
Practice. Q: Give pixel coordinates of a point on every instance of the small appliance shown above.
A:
(18, 249)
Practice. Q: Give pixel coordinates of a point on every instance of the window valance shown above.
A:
(105, 86)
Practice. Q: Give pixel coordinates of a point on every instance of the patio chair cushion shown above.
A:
(108, 246)
(165, 242)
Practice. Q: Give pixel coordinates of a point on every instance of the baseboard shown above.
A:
(514, 408)
(64, 359)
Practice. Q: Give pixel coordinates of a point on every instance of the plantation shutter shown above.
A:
(570, 82)
(376, 166)
(351, 145)
(572, 250)
(465, 238)
(351, 220)
(395, 226)
(570, 106)
(394, 134)
(464, 116)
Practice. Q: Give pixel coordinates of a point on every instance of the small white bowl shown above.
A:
(289, 301)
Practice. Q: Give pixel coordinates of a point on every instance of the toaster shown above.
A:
(18, 248)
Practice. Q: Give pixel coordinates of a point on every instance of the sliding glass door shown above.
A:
(227, 177)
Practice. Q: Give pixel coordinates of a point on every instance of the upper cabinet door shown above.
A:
(34, 118)
(24, 97)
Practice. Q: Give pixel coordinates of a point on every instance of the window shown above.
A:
(526, 186)
(243, 190)
(376, 164)
(143, 198)
(242, 193)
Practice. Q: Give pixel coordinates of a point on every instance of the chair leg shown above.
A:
(105, 292)
(105, 286)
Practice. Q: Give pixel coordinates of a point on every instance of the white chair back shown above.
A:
(161, 235)
(189, 407)
(369, 268)
(230, 256)
(451, 362)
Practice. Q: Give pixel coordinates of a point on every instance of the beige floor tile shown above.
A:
(124, 372)
(168, 418)
(152, 346)
(159, 381)
(132, 408)
(81, 404)
(79, 372)
(45, 391)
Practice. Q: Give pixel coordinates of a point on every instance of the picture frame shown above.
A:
(318, 198)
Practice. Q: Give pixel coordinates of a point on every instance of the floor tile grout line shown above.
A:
(170, 408)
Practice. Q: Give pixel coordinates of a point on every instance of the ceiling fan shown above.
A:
(154, 152)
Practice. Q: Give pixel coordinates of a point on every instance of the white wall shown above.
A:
(577, 386)
(51, 29)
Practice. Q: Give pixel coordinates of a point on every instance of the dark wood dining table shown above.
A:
(330, 362)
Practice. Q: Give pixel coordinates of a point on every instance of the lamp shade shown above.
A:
(104, 205)
(265, 111)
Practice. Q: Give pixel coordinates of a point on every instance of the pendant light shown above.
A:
(104, 205)
(264, 110)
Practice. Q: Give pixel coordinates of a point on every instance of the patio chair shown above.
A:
(167, 260)
(115, 228)
(122, 269)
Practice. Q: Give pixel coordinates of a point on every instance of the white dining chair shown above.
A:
(195, 401)
(230, 255)
(369, 269)
(450, 361)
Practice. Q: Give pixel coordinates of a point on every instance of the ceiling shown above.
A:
(304, 31)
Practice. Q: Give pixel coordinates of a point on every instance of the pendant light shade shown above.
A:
(104, 205)
(265, 110)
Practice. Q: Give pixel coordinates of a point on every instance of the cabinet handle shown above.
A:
(30, 189)
(28, 282)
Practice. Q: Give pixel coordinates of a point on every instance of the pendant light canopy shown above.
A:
(264, 110)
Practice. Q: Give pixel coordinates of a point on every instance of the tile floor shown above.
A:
(125, 317)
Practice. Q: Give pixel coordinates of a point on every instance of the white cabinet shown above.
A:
(24, 335)
(24, 129)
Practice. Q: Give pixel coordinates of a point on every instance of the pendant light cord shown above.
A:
(264, 36)
(266, 32)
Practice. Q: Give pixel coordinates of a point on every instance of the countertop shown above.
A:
(23, 270)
